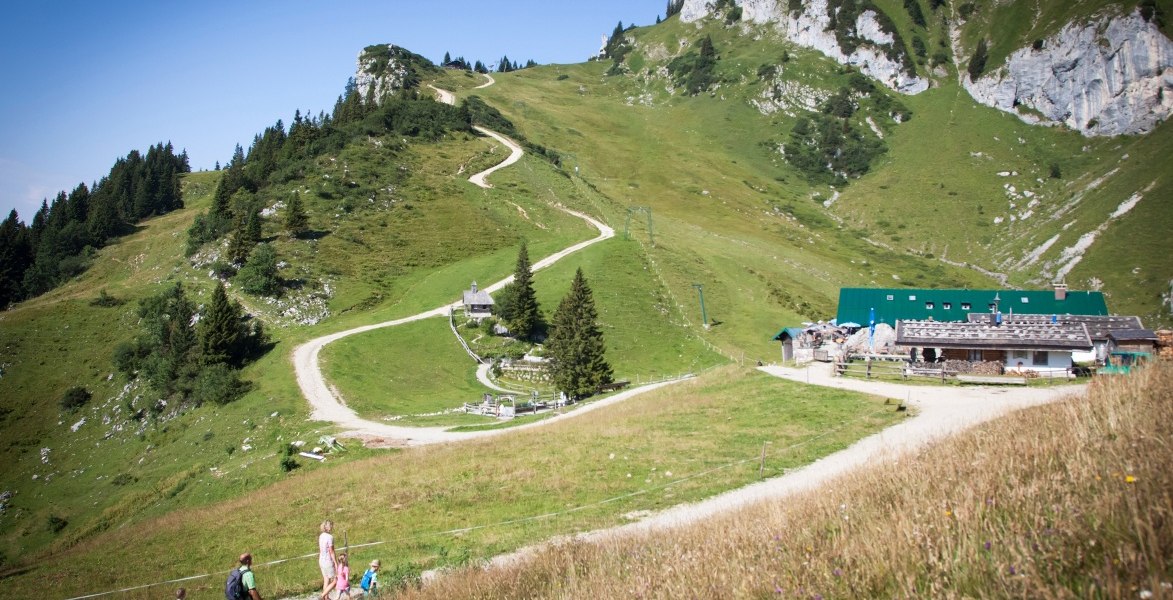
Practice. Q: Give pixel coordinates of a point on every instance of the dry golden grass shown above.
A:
(1069, 500)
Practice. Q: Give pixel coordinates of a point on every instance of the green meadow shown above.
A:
(702, 202)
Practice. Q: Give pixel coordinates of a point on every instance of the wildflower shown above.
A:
(1013, 571)
(987, 544)
(837, 573)
(1129, 479)
(1145, 594)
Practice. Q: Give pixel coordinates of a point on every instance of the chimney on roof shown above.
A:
(1060, 291)
(474, 287)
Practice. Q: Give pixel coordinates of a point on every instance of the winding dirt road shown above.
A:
(327, 406)
(940, 412)
(515, 151)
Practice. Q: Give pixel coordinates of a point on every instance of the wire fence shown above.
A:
(460, 338)
(760, 459)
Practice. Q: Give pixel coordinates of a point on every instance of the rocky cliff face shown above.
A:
(811, 28)
(1110, 76)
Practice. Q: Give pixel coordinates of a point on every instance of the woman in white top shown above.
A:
(326, 558)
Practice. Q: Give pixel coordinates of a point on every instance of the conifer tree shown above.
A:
(296, 221)
(16, 256)
(525, 315)
(575, 347)
(220, 330)
(977, 64)
(168, 346)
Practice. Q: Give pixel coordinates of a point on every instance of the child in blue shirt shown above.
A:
(370, 579)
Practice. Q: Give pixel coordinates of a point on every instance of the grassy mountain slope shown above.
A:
(700, 195)
(383, 262)
(960, 183)
(678, 444)
(1067, 500)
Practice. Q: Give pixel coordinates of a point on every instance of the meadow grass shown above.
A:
(410, 369)
(114, 470)
(680, 443)
(727, 212)
(1065, 500)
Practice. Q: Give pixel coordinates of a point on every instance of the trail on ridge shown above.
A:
(327, 406)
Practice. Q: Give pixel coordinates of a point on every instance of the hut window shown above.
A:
(911, 297)
(929, 306)
(890, 297)
(1025, 300)
(964, 306)
(946, 305)
(1040, 359)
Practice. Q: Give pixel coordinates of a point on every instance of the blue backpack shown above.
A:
(365, 584)
(234, 588)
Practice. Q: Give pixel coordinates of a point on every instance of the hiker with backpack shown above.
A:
(242, 584)
(370, 579)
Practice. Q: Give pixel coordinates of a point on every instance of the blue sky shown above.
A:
(85, 82)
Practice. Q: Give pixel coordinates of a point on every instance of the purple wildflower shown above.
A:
(987, 544)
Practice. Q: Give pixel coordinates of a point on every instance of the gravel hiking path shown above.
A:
(483, 377)
(515, 151)
(940, 412)
(326, 404)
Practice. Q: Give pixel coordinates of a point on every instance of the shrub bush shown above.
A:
(217, 383)
(75, 398)
(55, 523)
(106, 300)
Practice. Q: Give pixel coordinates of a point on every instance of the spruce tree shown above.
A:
(168, 344)
(575, 347)
(977, 64)
(296, 221)
(526, 316)
(220, 330)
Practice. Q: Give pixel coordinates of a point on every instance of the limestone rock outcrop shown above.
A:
(810, 27)
(1110, 76)
(387, 71)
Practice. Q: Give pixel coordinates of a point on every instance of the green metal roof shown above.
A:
(893, 304)
(792, 332)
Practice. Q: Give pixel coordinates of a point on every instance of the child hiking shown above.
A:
(370, 579)
(342, 576)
